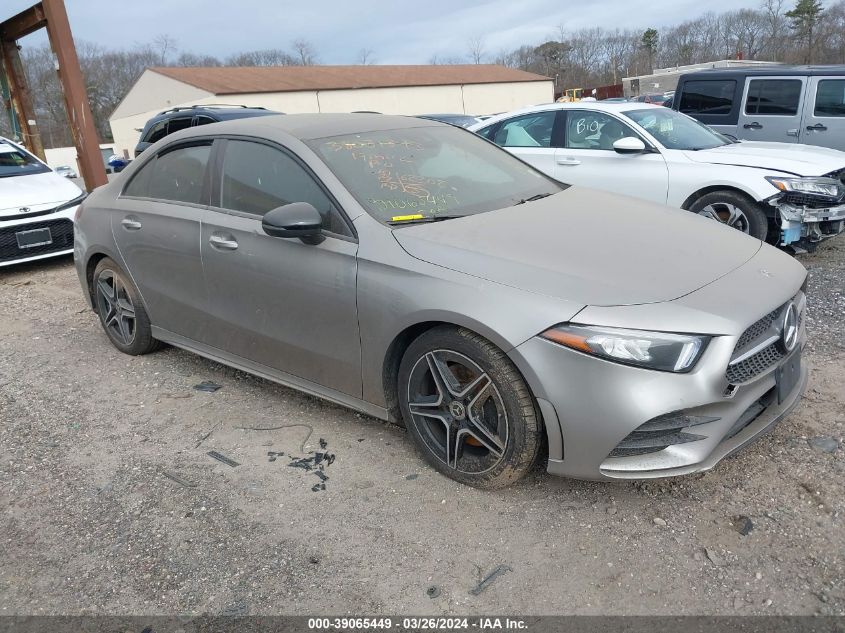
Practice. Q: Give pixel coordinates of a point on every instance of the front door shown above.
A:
(771, 109)
(588, 159)
(156, 225)
(824, 115)
(279, 302)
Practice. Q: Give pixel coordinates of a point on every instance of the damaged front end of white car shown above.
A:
(811, 209)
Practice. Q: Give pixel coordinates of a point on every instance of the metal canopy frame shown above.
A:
(51, 14)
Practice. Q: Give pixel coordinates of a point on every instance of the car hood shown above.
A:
(802, 160)
(587, 246)
(37, 192)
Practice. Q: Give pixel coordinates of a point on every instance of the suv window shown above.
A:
(181, 123)
(528, 130)
(258, 178)
(830, 98)
(157, 132)
(176, 174)
(588, 129)
(773, 96)
(204, 120)
(707, 97)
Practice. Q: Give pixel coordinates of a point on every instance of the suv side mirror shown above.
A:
(140, 147)
(295, 220)
(629, 145)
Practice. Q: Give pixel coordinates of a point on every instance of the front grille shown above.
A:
(659, 433)
(756, 330)
(754, 365)
(60, 230)
(811, 202)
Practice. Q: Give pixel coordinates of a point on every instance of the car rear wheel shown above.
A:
(735, 210)
(121, 311)
(467, 408)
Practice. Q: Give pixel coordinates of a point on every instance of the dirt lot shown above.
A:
(110, 503)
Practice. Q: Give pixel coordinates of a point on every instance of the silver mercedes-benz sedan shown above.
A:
(418, 273)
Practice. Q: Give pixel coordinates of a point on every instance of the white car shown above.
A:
(36, 207)
(786, 193)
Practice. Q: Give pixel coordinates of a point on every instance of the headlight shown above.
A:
(821, 186)
(653, 350)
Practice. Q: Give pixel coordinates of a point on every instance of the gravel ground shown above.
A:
(110, 503)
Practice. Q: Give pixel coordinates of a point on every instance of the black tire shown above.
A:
(127, 325)
(484, 455)
(723, 206)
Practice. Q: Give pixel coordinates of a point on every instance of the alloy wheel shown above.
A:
(728, 214)
(458, 411)
(116, 308)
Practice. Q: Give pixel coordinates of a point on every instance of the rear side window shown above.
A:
(203, 120)
(178, 124)
(830, 98)
(773, 96)
(176, 175)
(258, 178)
(708, 97)
(530, 130)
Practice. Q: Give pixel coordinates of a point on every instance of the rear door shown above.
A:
(588, 159)
(280, 302)
(824, 115)
(772, 109)
(532, 137)
(156, 225)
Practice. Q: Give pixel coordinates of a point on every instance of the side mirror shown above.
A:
(140, 147)
(629, 145)
(295, 220)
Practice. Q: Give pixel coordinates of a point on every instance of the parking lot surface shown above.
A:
(111, 503)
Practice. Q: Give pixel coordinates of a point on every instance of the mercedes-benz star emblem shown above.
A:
(789, 330)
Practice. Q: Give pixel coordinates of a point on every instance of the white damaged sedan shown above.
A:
(779, 192)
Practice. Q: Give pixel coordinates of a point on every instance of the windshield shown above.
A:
(426, 173)
(676, 131)
(16, 162)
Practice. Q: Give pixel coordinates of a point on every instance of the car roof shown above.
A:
(218, 112)
(764, 71)
(311, 126)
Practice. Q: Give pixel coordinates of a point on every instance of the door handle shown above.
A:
(818, 127)
(568, 161)
(792, 132)
(753, 126)
(223, 243)
(130, 223)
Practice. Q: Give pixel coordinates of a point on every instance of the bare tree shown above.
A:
(305, 51)
(265, 57)
(165, 46)
(475, 48)
(365, 57)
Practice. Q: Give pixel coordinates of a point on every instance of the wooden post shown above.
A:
(76, 97)
(21, 100)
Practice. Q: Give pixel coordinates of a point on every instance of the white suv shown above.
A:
(786, 193)
(36, 207)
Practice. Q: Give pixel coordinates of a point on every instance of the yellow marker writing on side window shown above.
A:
(400, 218)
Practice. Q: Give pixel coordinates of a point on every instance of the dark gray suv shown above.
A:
(181, 118)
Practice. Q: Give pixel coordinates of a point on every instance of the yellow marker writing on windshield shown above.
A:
(400, 218)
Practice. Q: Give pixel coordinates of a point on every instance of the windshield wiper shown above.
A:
(432, 218)
(539, 196)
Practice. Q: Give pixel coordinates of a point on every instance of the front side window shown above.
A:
(258, 178)
(157, 132)
(423, 173)
(773, 96)
(676, 131)
(588, 129)
(830, 98)
(14, 161)
(203, 120)
(175, 125)
(529, 130)
(175, 175)
(707, 97)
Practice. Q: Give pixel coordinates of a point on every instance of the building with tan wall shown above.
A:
(461, 89)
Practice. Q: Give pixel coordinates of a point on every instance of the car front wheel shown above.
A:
(467, 408)
(735, 210)
(121, 311)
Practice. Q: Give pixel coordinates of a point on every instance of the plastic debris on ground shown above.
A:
(208, 386)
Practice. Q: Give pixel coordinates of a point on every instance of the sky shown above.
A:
(397, 32)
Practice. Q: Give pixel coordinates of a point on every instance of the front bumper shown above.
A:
(596, 404)
(807, 224)
(61, 225)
